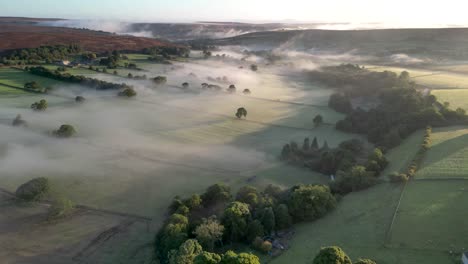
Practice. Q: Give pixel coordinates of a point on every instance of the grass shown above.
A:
(456, 97)
(17, 78)
(431, 78)
(432, 216)
(359, 226)
(9, 91)
(448, 155)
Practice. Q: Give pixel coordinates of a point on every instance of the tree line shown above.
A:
(76, 79)
(43, 53)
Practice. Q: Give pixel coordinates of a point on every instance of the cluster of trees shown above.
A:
(167, 51)
(158, 59)
(354, 80)
(247, 217)
(44, 53)
(77, 79)
(112, 61)
(191, 252)
(401, 109)
(40, 189)
(128, 92)
(131, 65)
(347, 163)
(65, 131)
(336, 255)
(39, 106)
(34, 87)
(33, 190)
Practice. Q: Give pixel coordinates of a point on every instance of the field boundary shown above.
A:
(89, 208)
(388, 234)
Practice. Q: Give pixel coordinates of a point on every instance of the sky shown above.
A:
(406, 13)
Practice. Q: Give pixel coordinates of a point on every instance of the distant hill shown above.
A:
(17, 35)
(434, 43)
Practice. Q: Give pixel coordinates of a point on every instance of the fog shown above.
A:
(142, 134)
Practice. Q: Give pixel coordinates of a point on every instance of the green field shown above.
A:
(456, 97)
(447, 157)
(9, 91)
(176, 132)
(17, 78)
(359, 226)
(431, 78)
(432, 216)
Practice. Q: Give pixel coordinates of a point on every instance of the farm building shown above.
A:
(465, 258)
(62, 62)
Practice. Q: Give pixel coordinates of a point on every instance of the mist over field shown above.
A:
(226, 132)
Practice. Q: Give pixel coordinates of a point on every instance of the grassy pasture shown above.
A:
(456, 97)
(359, 226)
(448, 155)
(432, 216)
(9, 91)
(18, 78)
(431, 78)
(28, 238)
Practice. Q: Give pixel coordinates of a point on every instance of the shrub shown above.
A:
(65, 131)
(398, 177)
(60, 207)
(79, 99)
(34, 189)
(261, 245)
(18, 121)
(329, 255)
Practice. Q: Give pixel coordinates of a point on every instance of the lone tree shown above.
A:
(314, 145)
(185, 85)
(254, 67)
(79, 99)
(33, 190)
(18, 121)
(65, 131)
(306, 144)
(128, 92)
(241, 112)
(246, 91)
(333, 255)
(39, 106)
(160, 80)
(130, 76)
(232, 88)
(318, 120)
